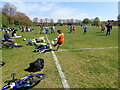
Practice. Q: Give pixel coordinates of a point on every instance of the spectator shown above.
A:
(14, 34)
(7, 36)
(109, 28)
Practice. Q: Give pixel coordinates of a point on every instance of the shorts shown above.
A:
(59, 43)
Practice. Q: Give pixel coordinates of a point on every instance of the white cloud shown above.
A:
(36, 8)
(68, 13)
(46, 7)
(49, 10)
(107, 18)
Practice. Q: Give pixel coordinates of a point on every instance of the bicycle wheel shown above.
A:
(33, 80)
(6, 87)
(10, 86)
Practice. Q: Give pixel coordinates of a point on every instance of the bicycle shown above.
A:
(23, 83)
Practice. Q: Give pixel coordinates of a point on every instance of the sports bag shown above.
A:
(36, 65)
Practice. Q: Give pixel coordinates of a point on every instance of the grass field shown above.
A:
(94, 68)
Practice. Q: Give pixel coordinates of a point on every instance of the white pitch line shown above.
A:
(87, 48)
(64, 81)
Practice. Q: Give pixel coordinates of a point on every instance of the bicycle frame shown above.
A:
(20, 84)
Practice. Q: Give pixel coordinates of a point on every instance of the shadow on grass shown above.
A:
(98, 32)
(101, 35)
(44, 51)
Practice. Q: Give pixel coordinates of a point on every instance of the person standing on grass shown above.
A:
(85, 29)
(74, 28)
(102, 28)
(71, 29)
(109, 28)
(52, 29)
(60, 39)
(46, 29)
(41, 28)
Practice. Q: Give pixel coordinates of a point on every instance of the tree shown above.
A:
(35, 20)
(52, 21)
(103, 22)
(0, 19)
(92, 21)
(64, 21)
(78, 21)
(96, 21)
(5, 9)
(4, 21)
(86, 21)
(71, 21)
(17, 21)
(41, 21)
(46, 20)
(9, 11)
(68, 21)
(118, 17)
(11, 16)
(59, 21)
(24, 20)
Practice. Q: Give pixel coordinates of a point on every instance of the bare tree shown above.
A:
(41, 21)
(9, 11)
(46, 20)
(72, 21)
(64, 21)
(59, 21)
(35, 20)
(52, 21)
(68, 20)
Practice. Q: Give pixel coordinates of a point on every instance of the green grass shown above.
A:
(89, 68)
(82, 69)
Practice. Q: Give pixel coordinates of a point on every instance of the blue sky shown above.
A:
(67, 10)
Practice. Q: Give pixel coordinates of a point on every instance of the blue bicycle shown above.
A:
(23, 83)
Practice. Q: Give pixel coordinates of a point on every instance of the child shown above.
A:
(85, 29)
(71, 29)
(52, 29)
(46, 29)
(74, 28)
(102, 28)
(41, 29)
(60, 40)
(14, 34)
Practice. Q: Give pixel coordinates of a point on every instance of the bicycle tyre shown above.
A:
(34, 80)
